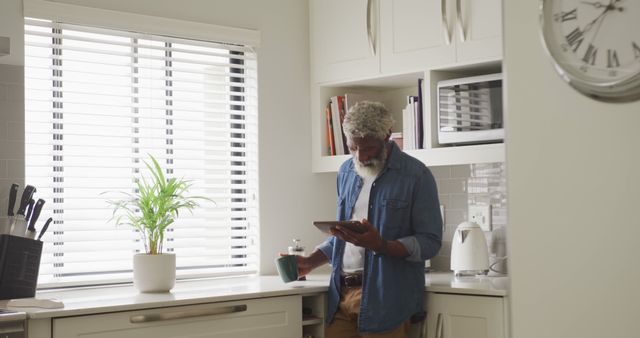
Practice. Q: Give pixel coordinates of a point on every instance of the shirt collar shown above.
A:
(394, 156)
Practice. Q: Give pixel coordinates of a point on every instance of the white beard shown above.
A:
(373, 167)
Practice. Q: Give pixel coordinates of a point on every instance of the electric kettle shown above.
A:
(469, 252)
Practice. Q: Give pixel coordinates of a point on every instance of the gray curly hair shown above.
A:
(367, 118)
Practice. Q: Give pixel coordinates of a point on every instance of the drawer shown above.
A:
(267, 317)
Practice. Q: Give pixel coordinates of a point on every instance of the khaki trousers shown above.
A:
(345, 321)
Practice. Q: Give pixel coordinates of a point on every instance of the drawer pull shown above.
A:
(157, 317)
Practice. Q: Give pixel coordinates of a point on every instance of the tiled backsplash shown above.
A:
(476, 184)
(11, 131)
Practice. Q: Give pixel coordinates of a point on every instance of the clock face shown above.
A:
(595, 45)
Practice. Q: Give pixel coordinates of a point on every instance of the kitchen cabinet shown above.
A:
(464, 316)
(381, 48)
(427, 34)
(415, 34)
(368, 38)
(343, 41)
(274, 317)
(479, 30)
(252, 306)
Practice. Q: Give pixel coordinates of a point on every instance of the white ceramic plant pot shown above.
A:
(154, 273)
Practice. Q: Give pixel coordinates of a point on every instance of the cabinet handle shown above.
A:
(463, 35)
(439, 326)
(157, 317)
(369, 30)
(445, 23)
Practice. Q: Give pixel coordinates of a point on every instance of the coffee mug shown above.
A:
(287, 268)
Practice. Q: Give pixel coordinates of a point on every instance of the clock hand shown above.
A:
(594, 4)
(610, 7)
(593, 37)
(590, 24)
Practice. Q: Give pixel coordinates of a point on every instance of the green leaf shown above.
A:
(156, 205)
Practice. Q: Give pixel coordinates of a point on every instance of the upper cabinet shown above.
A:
(416, 33)
(419, 33)
(343, 39)
(362, 38)
(479, 30)
(380, 49)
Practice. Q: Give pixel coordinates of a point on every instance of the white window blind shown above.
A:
(98, 102)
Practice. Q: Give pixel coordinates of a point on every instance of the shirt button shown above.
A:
(371, 206)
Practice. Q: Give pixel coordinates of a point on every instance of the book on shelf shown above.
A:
(337, 116)
(419, 117)
(408, 127)
(412, 121)
(417, 120)
(335, 111)
(331, 147)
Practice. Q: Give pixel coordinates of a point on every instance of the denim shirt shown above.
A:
(403, 206)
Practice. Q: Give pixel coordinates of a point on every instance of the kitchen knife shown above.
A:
(44, 228)
(12, 198)
(19, 226)
(5, 228)
(27, 214)
(31, 230)
(26, 197)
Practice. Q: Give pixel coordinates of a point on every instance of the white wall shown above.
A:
(290, 195)
(573, 177)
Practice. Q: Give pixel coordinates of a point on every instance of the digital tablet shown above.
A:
(325, 226)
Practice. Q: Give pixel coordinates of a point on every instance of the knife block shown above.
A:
(19, 266)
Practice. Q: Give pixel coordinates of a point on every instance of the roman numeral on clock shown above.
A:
(590, 55)
(636, 50)
(612, 58)
(570, 15)
(575, 38)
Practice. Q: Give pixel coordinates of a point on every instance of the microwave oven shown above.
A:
(470, 110)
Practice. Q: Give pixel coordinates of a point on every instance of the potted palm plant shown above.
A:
(151, 210)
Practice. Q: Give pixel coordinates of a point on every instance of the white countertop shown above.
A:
(446, 282)
(92, 300)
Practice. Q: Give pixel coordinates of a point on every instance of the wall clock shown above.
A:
(595, 45)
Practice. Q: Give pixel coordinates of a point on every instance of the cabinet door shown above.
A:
(478, 30)
(270, 317)
(416, 34)
(343, 39)
(464, 316)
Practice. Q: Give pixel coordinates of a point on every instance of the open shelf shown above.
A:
(311, 321)
(392, 91)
